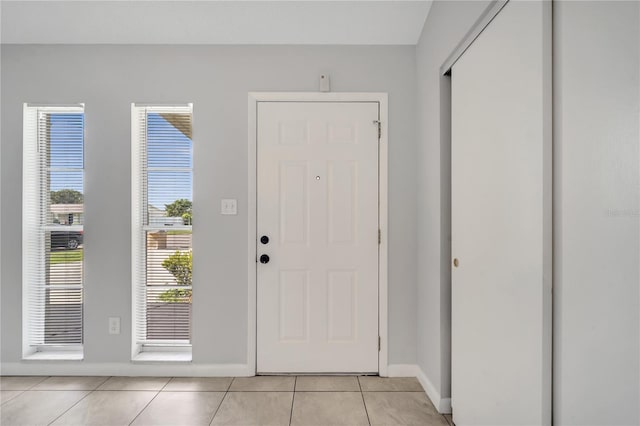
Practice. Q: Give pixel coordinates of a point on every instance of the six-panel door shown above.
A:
(317, 203)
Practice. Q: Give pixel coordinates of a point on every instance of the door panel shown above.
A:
(294, 203)
(501, 222)
(342, 300)
(342, 202)
(317, 201)
(294, 305)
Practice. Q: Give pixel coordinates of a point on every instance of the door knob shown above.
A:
(264, 239)
(264, 258)
(456, 262)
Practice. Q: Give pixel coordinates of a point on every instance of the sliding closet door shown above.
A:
(501, 222)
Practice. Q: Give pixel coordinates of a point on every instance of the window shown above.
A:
(52, 228)
(162, 164)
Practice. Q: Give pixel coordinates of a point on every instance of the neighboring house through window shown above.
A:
(162, 164)
(53, 231)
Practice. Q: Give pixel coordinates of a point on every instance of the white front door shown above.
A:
(501, 222)
(317, 221)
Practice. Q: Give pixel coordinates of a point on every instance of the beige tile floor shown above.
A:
(242, 401)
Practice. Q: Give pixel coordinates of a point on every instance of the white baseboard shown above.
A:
(443, 405)
(81, 368)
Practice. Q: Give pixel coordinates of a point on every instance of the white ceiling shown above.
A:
(213, 21)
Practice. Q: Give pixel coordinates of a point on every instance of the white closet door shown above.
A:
(501, 222)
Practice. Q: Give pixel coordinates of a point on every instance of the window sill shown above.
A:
(55, 356)
(177, 357)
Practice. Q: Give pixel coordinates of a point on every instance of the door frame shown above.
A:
(252, 306)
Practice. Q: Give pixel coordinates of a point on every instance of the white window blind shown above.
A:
(162, 164)
(52, 224)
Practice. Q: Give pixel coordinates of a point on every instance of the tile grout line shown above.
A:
(27, 389)
(363, 402)
(187, 390)
(20, 392)
(149, 403)
(144, 408)
(77, 402)
(293, 398)
(167, 384)
(103, 382)
(36, 384)
(221, 401)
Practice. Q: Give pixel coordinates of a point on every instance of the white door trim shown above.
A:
(481, 23)
(254, 98)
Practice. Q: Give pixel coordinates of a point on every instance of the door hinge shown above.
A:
(379, 343)
(379, 123)
(379, 236)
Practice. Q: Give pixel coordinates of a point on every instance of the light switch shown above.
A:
(114, 325)
(228, 206)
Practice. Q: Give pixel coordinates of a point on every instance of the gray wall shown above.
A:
(597, 200)
(446, 25)
(597, 204)
(216, 79)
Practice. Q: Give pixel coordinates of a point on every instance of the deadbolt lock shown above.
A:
(456, 262)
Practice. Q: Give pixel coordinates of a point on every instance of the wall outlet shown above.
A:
(114, 325)
(228, 206)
